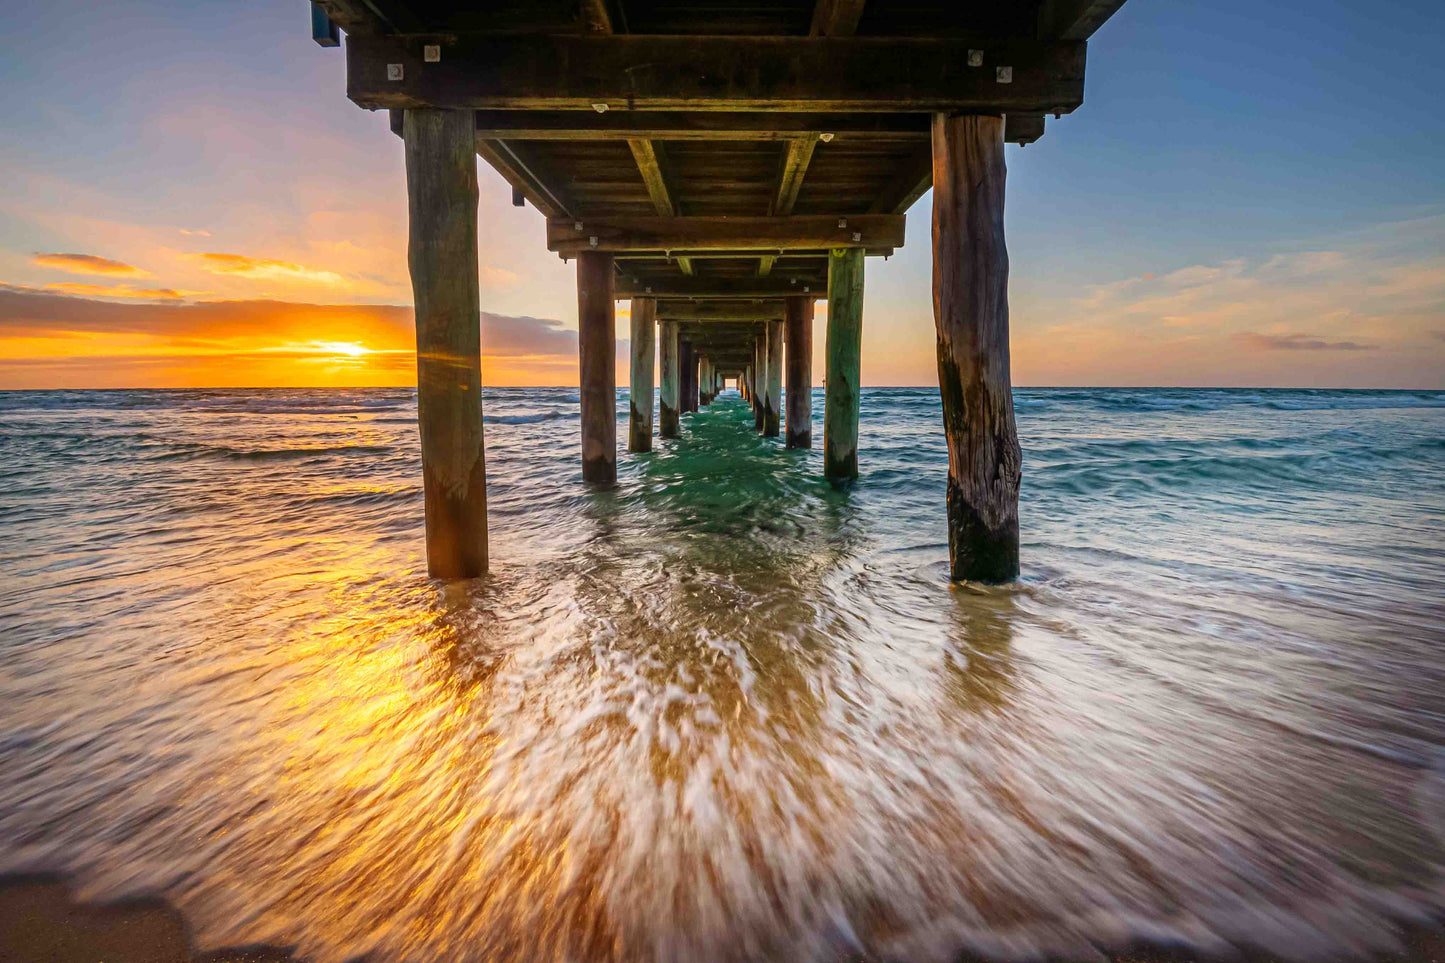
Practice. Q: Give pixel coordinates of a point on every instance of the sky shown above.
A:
(1253, 194)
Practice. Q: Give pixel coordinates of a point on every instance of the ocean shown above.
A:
(726, 711)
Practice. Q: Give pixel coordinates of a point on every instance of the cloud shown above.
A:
(264, 269)
(1299, 342)
(89, 264)
(117, 291)
(195, 233)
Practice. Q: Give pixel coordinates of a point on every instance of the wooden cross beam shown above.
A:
(730, 73)
(707, 126)
(569, 236)
(1074, 19)
(651, 163)
(720, 310)
(718, 288)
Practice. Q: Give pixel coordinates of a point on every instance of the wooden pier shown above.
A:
(722, 165)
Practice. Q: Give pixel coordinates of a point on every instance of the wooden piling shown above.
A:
(844, 351)
(693, 383)
(596, 349)
(799, 433)
(441, 181)
(688, 376)
(970, 311)
(669, 402)
(639, 424)
(760, 381)
(772, 408)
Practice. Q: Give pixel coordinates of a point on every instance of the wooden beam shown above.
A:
(915, 175)
(650, 165)
(1022, 128)
(836, 18)
(568, 235)
(727, 73)
(720, 310)
(323, 29)
(707, 287)
(793, 165)
(703, 126)
(1074, 19)
(912, 180)
(515, 164)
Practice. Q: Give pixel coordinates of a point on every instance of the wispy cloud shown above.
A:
(264, 269)
(1298, 342)
(118, 291)
(88, 264)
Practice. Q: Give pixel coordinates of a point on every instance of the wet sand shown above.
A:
(42, 922)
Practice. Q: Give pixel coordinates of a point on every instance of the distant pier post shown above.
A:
(799, 431)
(970, 310)
(844, 350)
(760, 381)
(668, 403)
(644, 325)
(596, 349)
(687, 374)
(705, 380)
(693, 383)
(441, 180)
(772, 413)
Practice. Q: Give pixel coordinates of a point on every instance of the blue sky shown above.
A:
(1251, 193)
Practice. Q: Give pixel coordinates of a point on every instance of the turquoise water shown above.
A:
(726, 711)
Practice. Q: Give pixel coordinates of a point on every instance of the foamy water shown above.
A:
(726, 711)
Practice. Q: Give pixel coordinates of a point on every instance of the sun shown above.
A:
(351, 349)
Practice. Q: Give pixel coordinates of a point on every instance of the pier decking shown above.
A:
(724, 165)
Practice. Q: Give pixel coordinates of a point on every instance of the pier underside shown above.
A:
(725, 166)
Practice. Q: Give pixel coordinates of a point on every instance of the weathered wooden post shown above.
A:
(688, 374)
(844, 349)
(760, 381)
(597, 349)
(705, 380)
(743, 381)
(800, 373)
(669, 403)
(970, 310)
(644, 324)
(694, 381)
(773, 408)
(441, 181)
